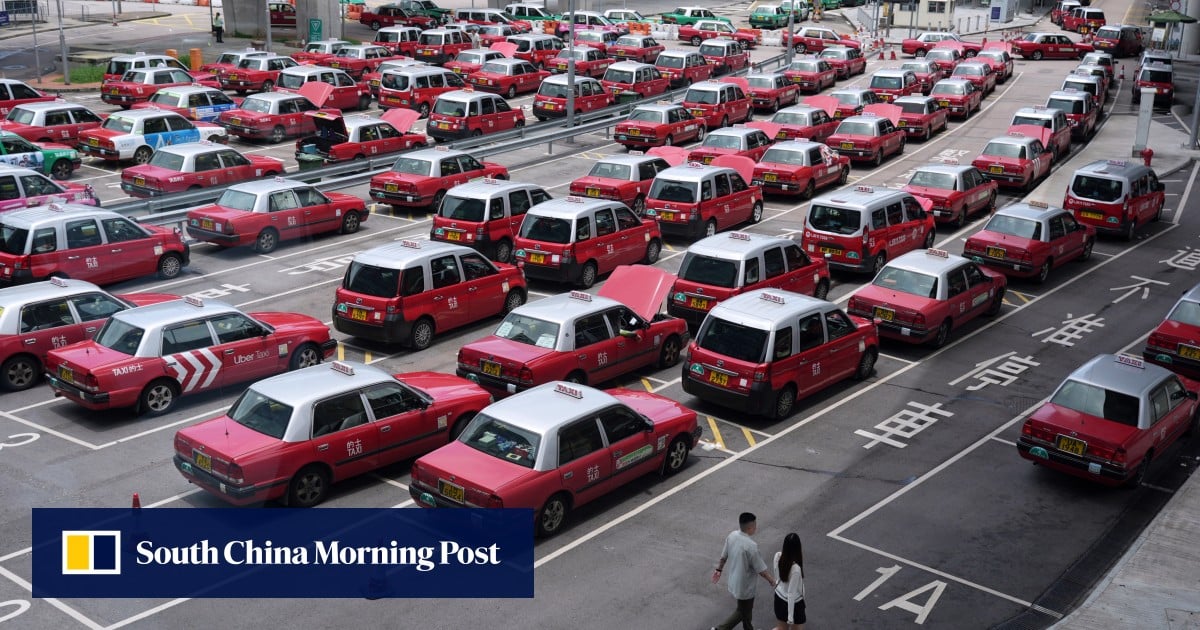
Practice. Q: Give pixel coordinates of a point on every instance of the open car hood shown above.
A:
(402, 119)
(673, 155)
(768, 127)
(508, 49)
(827, 103)
(640, 287)
(743, 165)
(316, 91)
(328, 122)
(1032, 131)
(738, 81)
(884, 110)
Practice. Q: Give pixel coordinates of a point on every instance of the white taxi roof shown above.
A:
(561, 79)
(1120, 169)
(361, 46)
(658, 107)
(1104, 370)
(404, 254)
(1071, 95)
(921, 261)
(571, 208)
(488, 188)
(913, 98)
(1025, 211)
(800, 109)
(157, 316)
(629, 65)
(465, 96)
(141, 56)
(736, 245)
(892, 72)
(767, 309)
(632, 160)
(854, 91)
(563, 308)
(712, 85)
(185, 90)
(266, 186)
(692, 173)
(1022, 140)
(798, 146)
(533, 37)
(723, 42)
(676, 52)
(860, 199)
(947, 169)
(398, 29)
(309, 385)
(554, 409)
(37, 216)
(47, 106)
(1037, 112)
(194, 148)
(307, 70)
(14, 297)
(434, 154)
(739, 131)
(954, 81)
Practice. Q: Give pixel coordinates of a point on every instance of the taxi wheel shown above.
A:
(19, 372)
(421, 335)
(879, 261)
(1130, 231)
(677, 456)
(943, 335)
(350, 223)
(305, 356)
(1158, 213)
(170, 266)
(476, 133)
(799, 48)
(822, 290)
(1139, 475)
(756, 214)
(639, 206)
(268, 86)
(521, 122)
(512, 91)
(587, 277)
(142, 155)
(456, 429)
(929, 238)
(158, 397)
(61, 170)
(700, 134)
(375, 25)
(997, 304)
(364, 103)
(1194, 425)
(423, 110)
(961, 219)
(513, 300)
(695, 40)
(1087, 250)
(267, 241)
(809, 191)
(668, 356)
(866, 364)
(577, 377)
(437, 200)
(920, 52)
(669, 142)
(653, 250)
(845, 176)
(504, 251)
(785, 402)
(878, 159)
(308, 487)
(553, 514)
(278, 134)
(1037, 55)
(710, 228)
(725, 121)
(991, 204)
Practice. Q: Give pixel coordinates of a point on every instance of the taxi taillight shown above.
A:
(228, 228)
(495, 501)
(1026, 429)
(181, 445)
(235, 473)
(481, 234)
(762, 373)
(525, 375)
(1158, 341)
(90, 383)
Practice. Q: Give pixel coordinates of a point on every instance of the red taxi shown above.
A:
(681, 201)
(495, 33)
(263, 213)
(771, 91)
(1039, 46)
(727, 55)
(851, 101)
(811, 74)
(800, 167)
(319, 51)
(978, 73)
(230, 59)
(1080, 109)
(920, 45)
(147, 357)
(600, 40)
(274, 442)
(466, 113)
(922, 296)
(502, 459)
(893, 84)
(861, 229)
(927, 73)
(393, 15)
(373, 79)
(576, 240)
(339, 139)
(636, 80)
(50, 122)
(742, 141)
(469, 61)
(1015, 161)
(959, 97)
(14, 92)
(1158, 77)
(536, 49)
(325, 87)
(416, 88)
(193, 166)
(508, 77)
(636, 48)
(762, 351)
(1084, 20)
(271, 116)
(709, 29)
(717, 103)
(947, 58)
(683, 67)
(1027, 240)
(589, 62)
(1109, 419)
(1175, 343)
(1049, 125)
(956, 191)
(1115, 196)
(358, 59)
(846, 60)
(440, 45)
(624, 178)
(661, 124)
(408, 291)
(867, 138)
(402, 40)
(803, 122)
(137, 86)
(580, 337)
(1000, 61)
(421, 178)
(258, 74)
(1122, 40)
(815, 39)
(551, 98)
(921, 116)
(486, 215)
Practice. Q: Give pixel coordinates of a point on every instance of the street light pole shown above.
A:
(791, 49)
(267, 10)
(62, 44)
(37, 61)
(571, 64)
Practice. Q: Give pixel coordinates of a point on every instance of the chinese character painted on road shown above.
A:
(1072, 330)
(905, 424)
(1002, 370)
(354, 447)
(1142, 283)
(1186, 258)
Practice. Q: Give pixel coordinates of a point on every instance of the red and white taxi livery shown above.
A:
(957, 191)
(800, 167)
(576, 240)
(57, 121)
(421, 178)
(812, 74)
(718, 103)
(193, 166)
(803, 122)
(661, 124)
(921, 116)
(867, 138)
(1029, 239)
(624, 178)
(1015, 161)
(1175, 343)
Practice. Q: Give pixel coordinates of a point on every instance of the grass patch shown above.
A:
(85, 73)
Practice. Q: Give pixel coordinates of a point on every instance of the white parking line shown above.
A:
(883, 355)
(1004, 441)
(390, 482)
(55, 433)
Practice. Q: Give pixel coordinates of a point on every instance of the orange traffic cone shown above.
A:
(1122, 75)
(880, 54)
(893, 55)
(137, 501)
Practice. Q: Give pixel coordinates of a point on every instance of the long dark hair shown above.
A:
(792, 553)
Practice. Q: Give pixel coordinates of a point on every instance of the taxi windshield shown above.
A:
(260, 105)
(495, 67)
(12, 239)
(21, 116)
(120, 336)
(412, 166)
(315, 48)
(722, 141)
(1086, 86)
(887, 83)
(371, 280)
(1097, 401)
(646, 115)
(912, 108)
(118, 67)
(552, 90)
(733, 340)
(589, 36)
(546, 229)
(944, 55)
(1098, 188)
(703, 97)
(994, 55)
(1015, 226)
(953, 88)
(463, 208)
(1155, 76)
(762, 82)
(669, 61)
(618, 76)
(906, 281)
(468, 56)
(259, 413)
(855, 129)
(776, 155)
(502, 440)
(1005, 150)
(944, 181)
(1185, 312)
(791, 118)
(669, 190)
(167, 160)
(610, 170)
(528, 330)
(706, 270)
(805, 66)
(834, 219)
(237, 200)
(1067, 105)
(116, 123)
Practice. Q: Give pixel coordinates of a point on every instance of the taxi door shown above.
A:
(86, 256)
(519, 203)
(633, 238)
(743, 196)
(47, 325)
(245, 349)
(286, 214)
(130, 252)
(844, 344)
(406, 427)
(179, 131)
(606, 246)
(735, 103)
(807, 362)
(979, 290)
(345, 90)
(584, 463)
(528, 77)
(342, 437)
(596, 350)
(634, 350)
(632, 447)
(485, 286)
(449, 293)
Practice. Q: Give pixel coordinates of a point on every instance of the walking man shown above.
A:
(218, 26)
(740, 561)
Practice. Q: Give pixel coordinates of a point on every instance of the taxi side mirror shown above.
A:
(650, 425)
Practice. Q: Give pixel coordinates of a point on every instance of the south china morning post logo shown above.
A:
(91, 552)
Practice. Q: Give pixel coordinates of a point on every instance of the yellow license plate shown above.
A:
(491, 368)
(562, 66)
(1189, 352)
(847, 145)
(358, 314)
(114, 91)
(94, 142)
(995, 252)
(717, 378)
(235, 121)
(635, 132)
(203, 460)
(390, 188)
(667, 216)
(551, 106)
(443, 125)
(66, 374)
(770, 177)
(375, 83)
(699, 303)
(537, 259)
(838, 114)
(996, 169)
(451, 491)
(593, 192)
(708, 160)
(886, 314)
(902, 123)
(831, 250)
(1092, 215)
(454, 236)
(944, 103)
(1071, 445)
(139, 181)
(206, 224)
(782, 135)
(335, 65)
(697, 112)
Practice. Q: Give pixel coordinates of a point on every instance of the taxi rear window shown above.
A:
(906, 281)
(792, 118)
(255, 105)
(1005, 149)
(1098, 188)
(463, 209)
(120, 336)
(1156, 76)
(703, 97)
(943, 181)
(776, 155)
(1097, 401)
(21, 116)
(237, 200)
(260, 413)
(12, 239)
(912, 108)
(668, 190)
(834, 219)
(733, 340)
(610, 170)
(855, 129)
(1185, 313)
(888, 83)
(1067, 105)
(715, 272)
(1015, 226)
(372, 280)
(502, 440)
(167, 160)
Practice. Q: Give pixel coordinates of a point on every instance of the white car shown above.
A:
(135, 134)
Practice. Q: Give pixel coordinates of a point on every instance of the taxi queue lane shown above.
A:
(83, 462)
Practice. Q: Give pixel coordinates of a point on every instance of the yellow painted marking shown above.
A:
(1024, 298)
(716, 433)
(341, 352)
(1005, 301)
(668, 247)
(366, 356)
(749, 436)
(647, 385)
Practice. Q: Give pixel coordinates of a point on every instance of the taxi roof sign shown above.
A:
(441, 147)
(864, 189)
(1125, 359)
(1121, 163)
(575, 199)
(341, 367)
(740, 236)
(410, 243)
(952, 161)
(773, 297)
(57, 281)
(573, 392)
(192, 300)
(940, 253)
(581, 295)
(1039, 204)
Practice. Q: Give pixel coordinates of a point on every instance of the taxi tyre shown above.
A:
(809, 191)
(696, 40)
(929, 238)
(701, 131)
(710, 228)
(639, 205)
(142, 155)
(552, 515)
(879, 262)
(677, 456)
(942, 336)
(866, 364)
(878, 158)
(587, 275)
(170, 266)
(158, 397)
(1139, 475)
(920, 52)
(61, 170)
(461, 423)
(375, 25)
(845, 177)
(1087, 250)
(961, 219)
(785, 402)
(421, 336)
(1037, 55)
(577, 377)
(512, 91)
(997, 304)
(669, 142)
(513, 300)
(267, 241)
(267, 86)
(307, 355)
(423, 110)
(350, 222)
(20, 372)
(521, 122)
(308, 487)
(821, 291)
(799, 48)
(668, 355)
(476, 133)
(1129, 232)
(756, 214)
(503, 251)
(653, 251)
(278, 134)
(364, 102)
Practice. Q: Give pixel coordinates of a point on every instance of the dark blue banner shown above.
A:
(329, 552)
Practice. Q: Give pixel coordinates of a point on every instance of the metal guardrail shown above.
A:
(172, 209)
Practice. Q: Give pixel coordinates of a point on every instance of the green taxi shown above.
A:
(691, 15)
(55, 160)
(769, 16)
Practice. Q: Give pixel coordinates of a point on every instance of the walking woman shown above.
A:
(789, 584)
